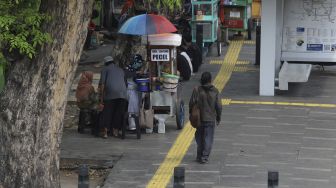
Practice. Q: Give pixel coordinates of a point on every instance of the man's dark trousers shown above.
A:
(204, 136)
(113, 113)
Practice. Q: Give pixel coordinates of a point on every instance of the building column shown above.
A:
(268, 47)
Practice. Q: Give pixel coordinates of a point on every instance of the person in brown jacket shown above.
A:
(206, 96)
(86, 100)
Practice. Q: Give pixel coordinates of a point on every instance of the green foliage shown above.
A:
(2, 72)
(171, 4)
(166, 4)
(20, 27)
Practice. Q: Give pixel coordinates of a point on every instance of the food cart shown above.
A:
(164, 87)
(205, 13)
(235, 14)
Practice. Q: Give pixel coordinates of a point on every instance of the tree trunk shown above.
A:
(33, 102)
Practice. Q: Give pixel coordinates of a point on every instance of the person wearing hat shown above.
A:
(113, 97)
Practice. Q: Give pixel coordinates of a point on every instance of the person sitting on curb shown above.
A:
(86, 100)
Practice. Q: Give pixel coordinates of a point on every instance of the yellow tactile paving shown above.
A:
(181, 145)
(242, 62)
(229, 101)
(230, 60)
(244, 68)
(173, 158)
(251, 42)
(241, 69)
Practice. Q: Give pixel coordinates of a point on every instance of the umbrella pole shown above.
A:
(149, 65)
(148, 57)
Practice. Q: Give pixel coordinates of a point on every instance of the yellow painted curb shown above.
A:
(229, 101)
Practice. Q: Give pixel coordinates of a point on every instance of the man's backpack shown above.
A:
(195, 115)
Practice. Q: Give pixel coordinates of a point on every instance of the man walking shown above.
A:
(206, 97)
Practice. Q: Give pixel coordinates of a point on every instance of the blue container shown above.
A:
(143, 84)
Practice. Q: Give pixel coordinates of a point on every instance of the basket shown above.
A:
(170, 82)
(143, 84)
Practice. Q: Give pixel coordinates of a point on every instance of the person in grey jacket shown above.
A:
(206, 97)
(113, 97)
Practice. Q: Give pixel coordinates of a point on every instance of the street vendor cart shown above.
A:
(205, 13)
(235, 15)
(164, 88)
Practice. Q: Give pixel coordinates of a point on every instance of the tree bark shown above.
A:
(33, 102)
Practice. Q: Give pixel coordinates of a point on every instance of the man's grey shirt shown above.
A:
(113, 79)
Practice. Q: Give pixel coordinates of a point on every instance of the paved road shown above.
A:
(298, 141)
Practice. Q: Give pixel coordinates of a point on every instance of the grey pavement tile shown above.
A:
(292, 120)
(202, 177)
(223, 186)
(260, 120)
(237, 180)
(239, 170)
(284, 148)
(246, 150)
(314, 165)
(123, 184)
(317, 153)
(284, 137)
(262, 131)
(198, 184)
(236, 109)
(266, 108)
(289, 127)
(278, 157)
(320, 132)
(328, 143)
(285, 169)
(262, 113)
(298, 182)
(241, 161)
(250, 139)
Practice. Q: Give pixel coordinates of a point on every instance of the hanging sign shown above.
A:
(160, 55)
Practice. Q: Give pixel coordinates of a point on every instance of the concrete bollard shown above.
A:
(258, 41)
(249, 28)
(273, 179)
(179, 177)
(83, 176)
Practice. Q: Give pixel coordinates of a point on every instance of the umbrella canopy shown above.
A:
(147, 24)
